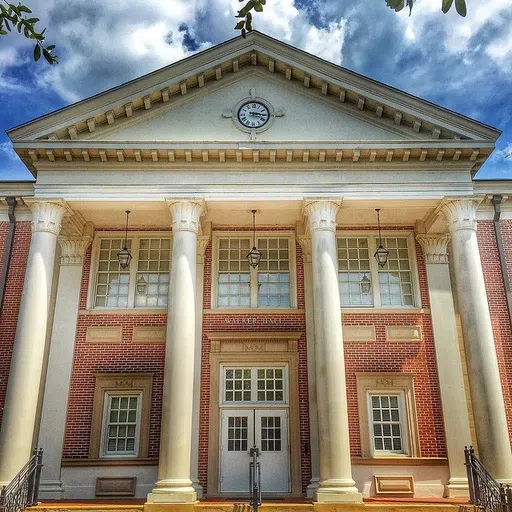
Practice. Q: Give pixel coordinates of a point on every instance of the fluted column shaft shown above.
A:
(449, 365)
(174, 471)
(336, 483)
(23, 388)
(60, 363)
(483, 372)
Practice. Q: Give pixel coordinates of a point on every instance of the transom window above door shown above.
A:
(254, 385)
(363, 283)
(144, 284)
(270, 285)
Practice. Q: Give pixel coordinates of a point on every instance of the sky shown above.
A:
(464, 64)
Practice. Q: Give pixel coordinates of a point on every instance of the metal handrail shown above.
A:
(23, 490)
(484, 491)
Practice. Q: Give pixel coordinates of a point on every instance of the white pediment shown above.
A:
(303, 115)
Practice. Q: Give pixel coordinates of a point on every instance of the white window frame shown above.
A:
(290, 235)
(373, 242)
(134, 236)
(404, 428)
(105, 423)
(254, 390)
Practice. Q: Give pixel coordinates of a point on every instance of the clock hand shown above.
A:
(257, 114)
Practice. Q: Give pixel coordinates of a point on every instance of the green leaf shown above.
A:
(32, 20)
(446, 5)
(240, 25)
(47, 55)
(15, 9)
(3, 32)
(50, 48)
(258, 7)
(263, 2)
(243, 33)
(248, 25)
(37, 52)
(24, 8)
(7, 26)
(460, 5)
(20, 24)
(249, 17)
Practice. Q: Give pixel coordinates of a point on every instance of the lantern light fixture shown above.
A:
(365, 284)
(254, 255)
(124, 256)
(381, 254)
(142, 285)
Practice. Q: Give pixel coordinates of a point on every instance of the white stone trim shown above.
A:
(47, 215)
(186, 214)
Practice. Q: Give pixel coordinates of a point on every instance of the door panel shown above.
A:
(240, 429)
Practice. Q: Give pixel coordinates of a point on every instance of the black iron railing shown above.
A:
(484, 491)
(22, 491)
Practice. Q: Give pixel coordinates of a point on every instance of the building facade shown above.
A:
(353, 379)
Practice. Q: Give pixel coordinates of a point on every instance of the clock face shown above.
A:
(253, 114)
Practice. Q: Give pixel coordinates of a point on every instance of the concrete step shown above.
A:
(224, 506)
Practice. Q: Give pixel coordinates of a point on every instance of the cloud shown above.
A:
(464, 64)
(7, 152)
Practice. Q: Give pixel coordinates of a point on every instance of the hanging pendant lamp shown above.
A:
(381, 254)
(254, 255)
(365, 284)
(124, 256)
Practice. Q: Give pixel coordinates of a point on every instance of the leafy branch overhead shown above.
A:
(245, 24)
(15, 17)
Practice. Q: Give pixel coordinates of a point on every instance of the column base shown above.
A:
(51, 490)
(173, 491)
(198, 488)
(338, 491)
(313, 486)
(457, 488)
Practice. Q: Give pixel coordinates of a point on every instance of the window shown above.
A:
(121, 424)
(386, 417)
(363, 283)
(267, 286)
(144, 284)
(121, 416)
(251, 385)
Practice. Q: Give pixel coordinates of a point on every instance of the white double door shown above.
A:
(241, 429)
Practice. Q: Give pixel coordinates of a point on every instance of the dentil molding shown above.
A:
(47, 216)
(322, 214)
(186, 214)
(435, 247)
(461, 213)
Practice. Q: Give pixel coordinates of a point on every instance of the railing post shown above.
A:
(37, 478)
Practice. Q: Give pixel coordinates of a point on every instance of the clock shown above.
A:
(253, 114)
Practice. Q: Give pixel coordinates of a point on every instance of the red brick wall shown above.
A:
(12, 297)
(497, 302)
(417, 358)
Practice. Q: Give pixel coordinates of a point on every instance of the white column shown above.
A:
(22, 397)
(202, 244)
(174, 471)
(305, 243)
(336, 483)
(449, 365)
(60, 363)
(483, 373)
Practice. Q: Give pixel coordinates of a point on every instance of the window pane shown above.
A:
(237, 379)
(274, 273)
(233, 288)
(122, 422)
(111, 280)
(354, 272)
(395, 278)
(386, 423)
(152, 281)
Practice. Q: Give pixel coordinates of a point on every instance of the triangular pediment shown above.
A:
(210, 114)
(191, 101)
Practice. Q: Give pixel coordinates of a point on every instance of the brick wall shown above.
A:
(417, 358)
(12, 297)
(497, 302)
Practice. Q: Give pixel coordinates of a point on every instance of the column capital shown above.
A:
(186, 214)
(73, 249)
(461, 213)
(435, 247)
(47, 215)
(306, 246)
(321, 214)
